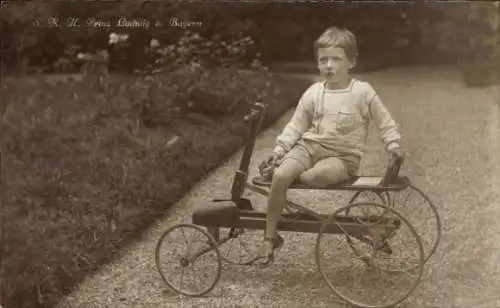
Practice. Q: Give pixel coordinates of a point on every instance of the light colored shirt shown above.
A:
(339, 119)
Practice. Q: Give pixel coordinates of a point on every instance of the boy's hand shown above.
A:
(277, 155)
(274, 159)
(279, 151)
(397, 153)
(266, 166)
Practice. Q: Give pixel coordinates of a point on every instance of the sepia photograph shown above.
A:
(258, 153)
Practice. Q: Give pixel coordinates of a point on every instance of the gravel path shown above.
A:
(451, 134)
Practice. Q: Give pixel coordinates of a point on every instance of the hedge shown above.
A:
(388, 34)
(86, 169)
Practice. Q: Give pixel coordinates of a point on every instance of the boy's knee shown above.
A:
(314, 178)
(286, 173)
(321, 177)
(282, 175)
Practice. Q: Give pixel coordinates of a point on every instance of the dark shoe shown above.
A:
(277, 242)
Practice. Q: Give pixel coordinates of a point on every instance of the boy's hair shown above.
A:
(335, 37)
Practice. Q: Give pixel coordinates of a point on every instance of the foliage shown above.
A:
(87, 166)
(381, 31)
(470, 33)
(208, 53)
(19, 37)
(249, 27)
(474, 31)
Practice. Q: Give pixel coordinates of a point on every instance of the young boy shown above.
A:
(325, 139)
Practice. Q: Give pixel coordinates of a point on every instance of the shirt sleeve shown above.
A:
(387, 127)
(299, 123)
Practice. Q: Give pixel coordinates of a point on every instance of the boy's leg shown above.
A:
(327, 171)
(283, 177)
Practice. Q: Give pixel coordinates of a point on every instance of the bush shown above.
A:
(469, 31)
(474, 41)
(209, 53)
(85, 171)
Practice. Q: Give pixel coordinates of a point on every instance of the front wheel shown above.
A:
(188, 259)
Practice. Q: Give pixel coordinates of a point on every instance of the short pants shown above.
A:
(308, 153)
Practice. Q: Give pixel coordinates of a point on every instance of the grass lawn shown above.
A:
(87, 168)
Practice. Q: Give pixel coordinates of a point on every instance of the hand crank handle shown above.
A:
(257, 109)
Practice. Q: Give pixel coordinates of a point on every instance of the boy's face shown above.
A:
(334, 65)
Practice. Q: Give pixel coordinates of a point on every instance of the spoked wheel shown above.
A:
(188, 259)
(386, 264)
(240, 246)
(415, 206)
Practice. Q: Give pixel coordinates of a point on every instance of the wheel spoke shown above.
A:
(400, 244)
(182, 276)
(245, 247)
(241, 251)
(407, 196)
(193, 279)
(186, 242)
(245, 252)
(230, 246)
(416, 207)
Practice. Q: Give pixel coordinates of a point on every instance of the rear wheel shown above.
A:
(385, 265)
(415, 206)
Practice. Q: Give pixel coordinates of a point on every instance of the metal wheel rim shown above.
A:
(211, 241)
(356, 303)
(436, 215)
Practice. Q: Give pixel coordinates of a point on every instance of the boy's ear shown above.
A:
(352, 63)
